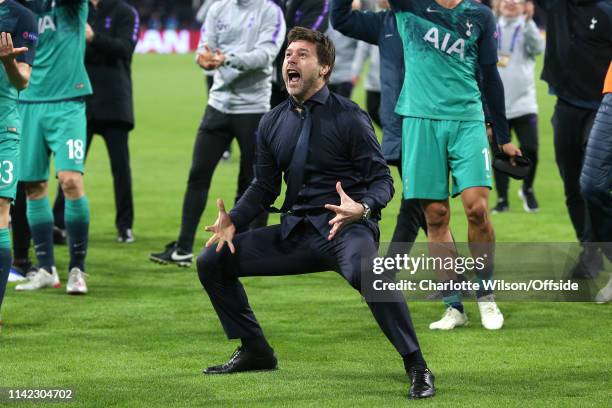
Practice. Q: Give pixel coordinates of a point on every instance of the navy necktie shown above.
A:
(298, 162)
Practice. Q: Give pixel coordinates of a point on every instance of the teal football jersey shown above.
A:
(59, 67)
(442, 50)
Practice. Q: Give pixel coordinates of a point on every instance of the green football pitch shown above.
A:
(144, 333)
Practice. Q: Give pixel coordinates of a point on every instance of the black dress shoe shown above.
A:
(243, 360)
(421, 383)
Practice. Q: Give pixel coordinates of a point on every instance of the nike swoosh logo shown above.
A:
(176, 257)
(388, 35)
(38, 246)
(430, 10)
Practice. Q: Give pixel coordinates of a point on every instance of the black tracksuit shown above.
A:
(578, 51)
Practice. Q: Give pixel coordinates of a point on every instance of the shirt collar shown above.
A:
(320, 98)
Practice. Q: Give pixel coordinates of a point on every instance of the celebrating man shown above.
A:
(337, 184)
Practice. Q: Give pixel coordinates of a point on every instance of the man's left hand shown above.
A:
(511, 150)
(347, 212)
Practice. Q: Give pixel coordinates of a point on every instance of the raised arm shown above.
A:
(534, 42)
(362, 25)
(18, 73)
(17, 54)
(315, 15)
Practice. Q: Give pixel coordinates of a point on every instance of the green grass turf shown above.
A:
(142, 335)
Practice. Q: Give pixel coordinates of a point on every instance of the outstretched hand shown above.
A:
(347, 212)
(7, 51)
(223, 230)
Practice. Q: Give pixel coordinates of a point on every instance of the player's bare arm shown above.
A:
(18, 72)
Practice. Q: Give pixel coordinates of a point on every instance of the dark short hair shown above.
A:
(326, 52)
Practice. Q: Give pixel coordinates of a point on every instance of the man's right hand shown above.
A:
(7, 52)
(223, 230)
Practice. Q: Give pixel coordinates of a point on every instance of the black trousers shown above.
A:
(115, 136)
(571, 126)
(343, 88)
(19, 225)
(263, 252)
(215, 134)
(373, 106)
(526, 129)
(410, 219)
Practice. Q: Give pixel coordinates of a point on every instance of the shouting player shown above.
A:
(17, 43)
(449, 45)
(53, 113)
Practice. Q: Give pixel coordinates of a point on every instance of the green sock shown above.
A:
(40, 219)
(5, 260)
(76, 216)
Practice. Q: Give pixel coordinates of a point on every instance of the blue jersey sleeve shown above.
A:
(487, 43)
(26, 35)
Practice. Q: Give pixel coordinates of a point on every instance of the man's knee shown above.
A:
(36, 190)
(477, 213)
(71, 183)
(437, 216)
(208, 265)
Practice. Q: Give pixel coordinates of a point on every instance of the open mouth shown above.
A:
(293, 76)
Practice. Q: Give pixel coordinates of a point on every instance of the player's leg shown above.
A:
(425, 177)
(441, 246)
(5, 248)
(68, 141)
(9, 159)
(352, 255)
(212, 140)
(502, 183)
(244, 127)
(260, 252)
(526, 128)
(21, 234)
(373, 106)
(470, 164)
(34, 162)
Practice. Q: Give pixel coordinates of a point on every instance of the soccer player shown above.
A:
(448, 45)
(53, 113)
(17, 46)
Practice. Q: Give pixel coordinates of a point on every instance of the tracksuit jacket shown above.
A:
(250, 34)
